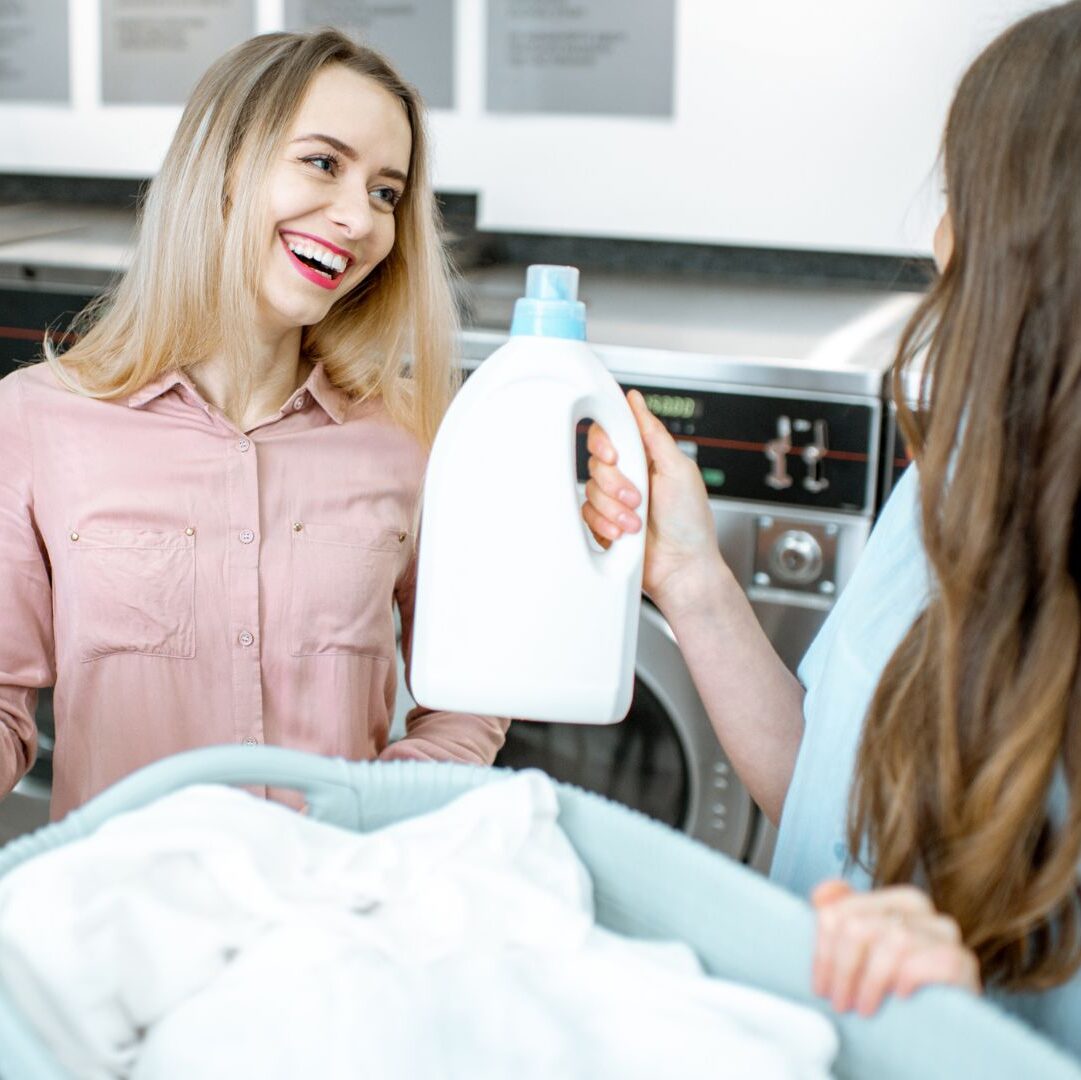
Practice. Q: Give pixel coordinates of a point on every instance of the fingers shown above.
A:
(945, 963)
(869, 945)
(845, 962)
(681, 525)
(614, 484)
(613, 510)
(882, 964)
(599, 445)
(611, 498)
(904, 898)
(828, 941)
(830, 891)
(661, 449)
(604, 529)
(657, 439)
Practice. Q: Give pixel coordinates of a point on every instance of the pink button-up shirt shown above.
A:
(184, 583)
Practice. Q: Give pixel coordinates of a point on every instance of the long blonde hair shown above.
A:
(978, 712)
(192, 284)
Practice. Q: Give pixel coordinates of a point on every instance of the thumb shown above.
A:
(659, 444)
(829, 892)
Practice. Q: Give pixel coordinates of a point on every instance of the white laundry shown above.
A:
(213, 934)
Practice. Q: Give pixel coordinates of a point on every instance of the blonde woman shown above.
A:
(926, 767)
(207, 502)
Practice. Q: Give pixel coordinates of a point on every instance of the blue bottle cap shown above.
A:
(550, 307)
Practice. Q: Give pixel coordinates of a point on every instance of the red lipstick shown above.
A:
(316, 277)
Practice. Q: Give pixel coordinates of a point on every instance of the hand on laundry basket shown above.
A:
(681, 534)
(888, 941)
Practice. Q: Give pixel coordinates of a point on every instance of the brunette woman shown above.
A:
(925, 767)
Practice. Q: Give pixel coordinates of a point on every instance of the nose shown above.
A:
(352, 212)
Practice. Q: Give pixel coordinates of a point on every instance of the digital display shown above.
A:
(673, 406)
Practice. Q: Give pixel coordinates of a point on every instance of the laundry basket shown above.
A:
(649, 882)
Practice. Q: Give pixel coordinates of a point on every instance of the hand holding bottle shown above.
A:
(681, 541)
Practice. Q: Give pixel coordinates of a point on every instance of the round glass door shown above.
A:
(639, 762)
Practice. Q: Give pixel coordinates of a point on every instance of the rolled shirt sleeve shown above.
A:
(26, 631)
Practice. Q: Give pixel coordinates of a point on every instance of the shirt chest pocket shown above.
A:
(342, 588)
(134, 591)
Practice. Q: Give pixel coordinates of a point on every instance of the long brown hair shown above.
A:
(182, 298)
(978, 711)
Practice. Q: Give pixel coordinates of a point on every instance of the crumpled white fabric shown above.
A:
(216, 935)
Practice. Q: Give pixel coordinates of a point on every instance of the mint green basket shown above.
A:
(649, 882)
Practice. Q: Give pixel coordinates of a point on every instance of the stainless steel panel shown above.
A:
(716, 371)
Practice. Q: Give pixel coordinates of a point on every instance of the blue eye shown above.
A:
(326, 163)
(390, 196)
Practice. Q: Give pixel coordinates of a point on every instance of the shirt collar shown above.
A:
(332, 399)
(156, 387)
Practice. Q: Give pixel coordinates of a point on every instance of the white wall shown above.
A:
(798, 124)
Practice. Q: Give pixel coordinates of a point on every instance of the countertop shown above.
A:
(831, 339)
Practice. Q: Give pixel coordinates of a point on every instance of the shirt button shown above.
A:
(246, 536)
(246, 637)
(251, 740)
(300, 401)
(244, 445)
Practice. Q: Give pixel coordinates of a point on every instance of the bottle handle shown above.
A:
(615, 416)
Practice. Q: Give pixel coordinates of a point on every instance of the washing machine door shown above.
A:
(663, 759)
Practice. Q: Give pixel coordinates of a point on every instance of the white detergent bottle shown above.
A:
(518, 612)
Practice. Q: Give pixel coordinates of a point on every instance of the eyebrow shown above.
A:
(349, 152)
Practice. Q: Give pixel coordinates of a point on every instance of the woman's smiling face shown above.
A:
(332, 190)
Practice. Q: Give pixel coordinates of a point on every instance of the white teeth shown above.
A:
(310, 250)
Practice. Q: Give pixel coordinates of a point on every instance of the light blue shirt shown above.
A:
(840, 672)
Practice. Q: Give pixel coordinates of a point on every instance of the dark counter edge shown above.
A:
(474, 248)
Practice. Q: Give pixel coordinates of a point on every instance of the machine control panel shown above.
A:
(779, 449)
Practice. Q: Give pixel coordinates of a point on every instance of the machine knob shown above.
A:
(813, 454)
(777, 455)
(796, 558)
